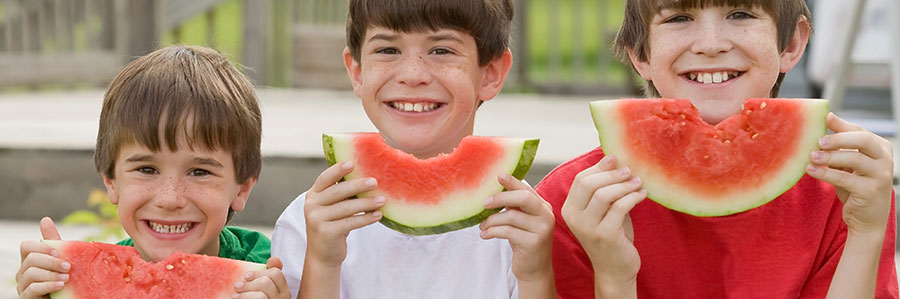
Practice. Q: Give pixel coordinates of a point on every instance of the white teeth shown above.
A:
(170, 229)
(708, 78)
(414, 107)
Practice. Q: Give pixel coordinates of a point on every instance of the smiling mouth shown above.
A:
(170, 229)
(713, 78)
(415, 106)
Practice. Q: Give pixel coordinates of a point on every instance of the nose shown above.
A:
(171, 195)
(413, 70)
(710, 39)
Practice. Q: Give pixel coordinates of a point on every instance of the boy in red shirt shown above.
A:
(831, 234)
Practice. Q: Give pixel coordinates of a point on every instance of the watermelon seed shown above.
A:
(127, 279)
(682, 116)
(170, 267)
(705, 157)
(762, 106)
(683, 123)
(754, 136)
(169, 289)
(749, 111)
(716, 136)
(727, 141)
(183, 262)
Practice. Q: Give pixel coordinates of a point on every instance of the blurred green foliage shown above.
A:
(100, 213)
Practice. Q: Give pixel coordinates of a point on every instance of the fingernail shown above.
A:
(379, 200)
(812, 169)
(65, 266)
(505, 176)
(823, 141)
(54, 253)
(376, 214)
(487, 201)
(235, 295)
(816, 155)
(248, 275)
(636, 181)
(239, 284)
(604, 161)
(624, 171)
(347, 165)
(371, 182)
(60, 284)
(64, 277)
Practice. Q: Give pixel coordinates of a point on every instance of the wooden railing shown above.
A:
(559, 46)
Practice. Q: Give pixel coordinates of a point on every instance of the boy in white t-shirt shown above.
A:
(450, 56)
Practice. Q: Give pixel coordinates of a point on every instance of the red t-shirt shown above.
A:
(788, 248)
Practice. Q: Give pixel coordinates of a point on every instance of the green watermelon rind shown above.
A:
(67, 293)
(662, 193)
(524, 162)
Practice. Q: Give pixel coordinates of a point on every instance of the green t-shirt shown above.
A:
(238, 244)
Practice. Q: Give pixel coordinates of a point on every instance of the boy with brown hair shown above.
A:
(832, 234)
(178, 148)
(421, 68)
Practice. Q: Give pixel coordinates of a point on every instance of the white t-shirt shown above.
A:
(383, 263)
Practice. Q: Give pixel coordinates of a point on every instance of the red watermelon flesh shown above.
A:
(691, 166)
(102, 270)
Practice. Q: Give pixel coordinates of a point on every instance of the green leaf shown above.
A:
(82, 217)
(108, 211)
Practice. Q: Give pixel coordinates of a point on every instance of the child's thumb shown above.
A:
(48, 229)
(273, 262)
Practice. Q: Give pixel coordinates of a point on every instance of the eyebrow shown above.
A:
(139, 158)
(445, 36)
(384, 37)
(208, 161)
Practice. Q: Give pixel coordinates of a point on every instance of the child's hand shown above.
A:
(527, 222)
(596, 212)
(41, 272)
(330, 215)
(269, 283)
(860, 165)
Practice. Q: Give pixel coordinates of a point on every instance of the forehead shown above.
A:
(656, 6)
(384, 33)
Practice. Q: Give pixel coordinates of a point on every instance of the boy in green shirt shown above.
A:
(179, 151)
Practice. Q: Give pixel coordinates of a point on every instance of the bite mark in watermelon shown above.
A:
(102, 270)
(435, 195)
(690, 166)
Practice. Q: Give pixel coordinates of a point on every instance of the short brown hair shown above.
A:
(195, 91)
(635, 31)
(488, 21)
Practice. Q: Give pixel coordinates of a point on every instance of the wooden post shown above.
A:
(518, 45)
(143, 30)
(256, 40)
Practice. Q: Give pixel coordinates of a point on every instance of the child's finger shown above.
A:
(523, 200)
(356, 221)
(265, 281)
(34, 275)
(514, 218)
(274, 262)
(510, 183)
(344, 190)
(331, 176)
(604, 197)
(844, 160)
(866, 142)
(838, 178)
(48, 229)
(511, 233)
(41, 289)
(837, 124)
(582, 190)
(30, 246)
(47, 262)
(348, 207)
(618, 212)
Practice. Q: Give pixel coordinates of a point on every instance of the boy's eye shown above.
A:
(200, 172)
(388, 51)
(147, 170)
(677, 19)
(740, 15)
(441, 51)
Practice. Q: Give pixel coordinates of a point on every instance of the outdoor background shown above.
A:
(56, 57)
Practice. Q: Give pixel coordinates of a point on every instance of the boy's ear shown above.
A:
(642, 67)
(495, 73)
(793, 51)
(354, 70)
(243, 194)
(111, 190)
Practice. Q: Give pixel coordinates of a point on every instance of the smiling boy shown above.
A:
(421, 68)
(832, 234)
(178, 150)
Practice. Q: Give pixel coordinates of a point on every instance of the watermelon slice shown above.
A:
(102, 270)
(690, 166)
(435, 195)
